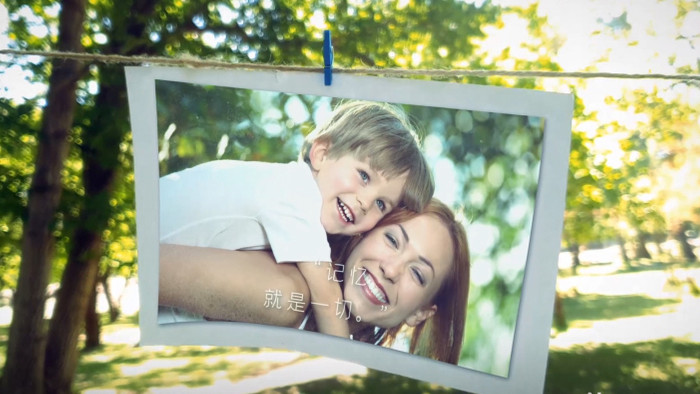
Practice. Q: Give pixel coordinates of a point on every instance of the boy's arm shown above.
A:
(230, 285)
(325, 293)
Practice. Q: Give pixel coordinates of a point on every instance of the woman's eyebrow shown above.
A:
(421, 258)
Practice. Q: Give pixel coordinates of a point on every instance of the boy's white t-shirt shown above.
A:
(230, 204)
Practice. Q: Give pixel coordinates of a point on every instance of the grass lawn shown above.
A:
(127, 367)
(662, 366)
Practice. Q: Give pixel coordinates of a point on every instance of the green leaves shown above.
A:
(17, 145)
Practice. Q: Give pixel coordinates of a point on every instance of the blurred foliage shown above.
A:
(633, 169)
(634, 178)
(272, 32)
(626, 177)
(17, 142)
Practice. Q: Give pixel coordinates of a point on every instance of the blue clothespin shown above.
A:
(327, 58)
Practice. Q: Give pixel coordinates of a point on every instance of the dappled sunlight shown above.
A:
(596, 307)
(153, 364)
(681, 324)
(608, 260)
(126, 335)
(646, 371)
(691, 366)
(5, 315)
(602, 261)
(205, 368)
(170, 369)
(630, 330)
(608, 303)
(99, 358)
(310, 370)
(649, 283)
(120, 364)
(663, 366)
(269, 356)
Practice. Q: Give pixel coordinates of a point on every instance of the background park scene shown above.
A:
(626, 317)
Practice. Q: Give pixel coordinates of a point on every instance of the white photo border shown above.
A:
(532, 329)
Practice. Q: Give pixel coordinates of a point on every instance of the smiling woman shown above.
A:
(410, 276)
(397, 273)
(407, 278)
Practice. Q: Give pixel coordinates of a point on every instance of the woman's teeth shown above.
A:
(376, 291)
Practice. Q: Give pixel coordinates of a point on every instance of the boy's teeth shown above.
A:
(369, 281)
(345, 211)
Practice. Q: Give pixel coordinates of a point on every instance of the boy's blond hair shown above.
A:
(382, 134)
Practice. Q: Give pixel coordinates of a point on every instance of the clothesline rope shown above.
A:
(196, 62)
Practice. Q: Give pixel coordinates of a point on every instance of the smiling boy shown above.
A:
(352, 171)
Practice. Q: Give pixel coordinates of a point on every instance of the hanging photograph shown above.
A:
(409, 226)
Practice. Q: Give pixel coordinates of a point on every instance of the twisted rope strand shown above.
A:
(196, 62)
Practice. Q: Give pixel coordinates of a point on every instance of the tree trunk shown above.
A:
(661, 251)
(114, 307)
(23, 371)
(92, 319)
(575, 260)
(100, 161)
(100, 164)
(686, 247)
(77, 280)
(641, 246)
(559, 316)
(623, 251)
